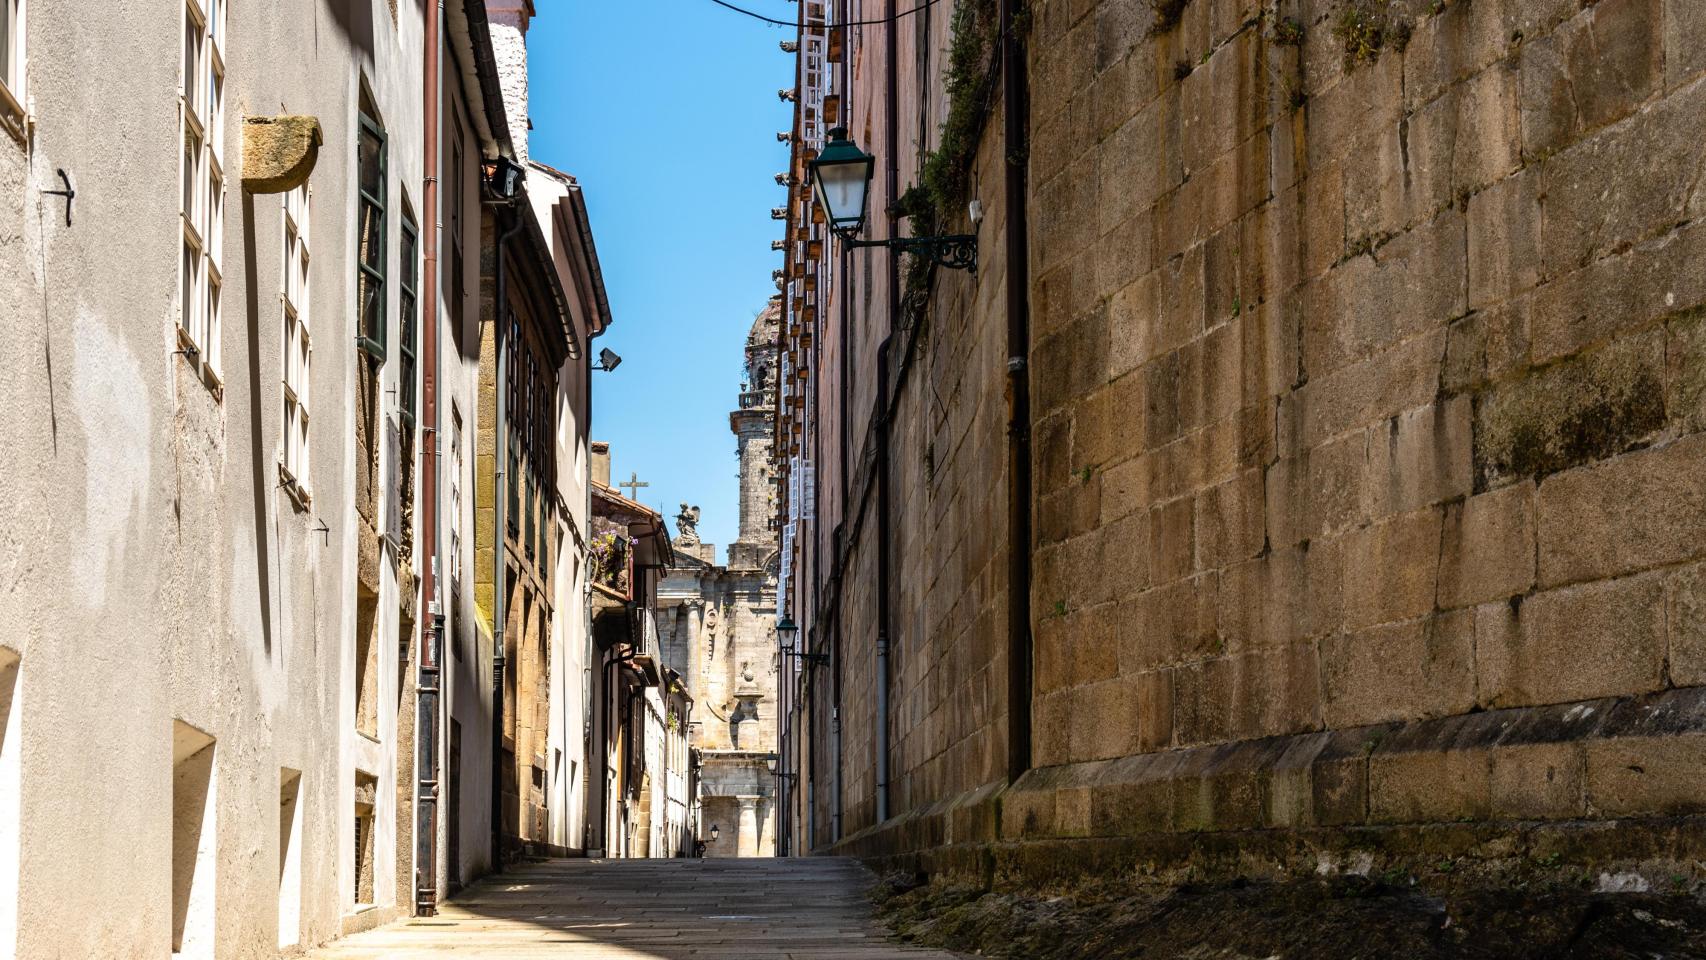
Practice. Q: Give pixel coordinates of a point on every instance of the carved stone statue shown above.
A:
(687, 526)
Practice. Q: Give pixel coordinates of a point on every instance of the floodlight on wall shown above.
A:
(608, 360)
(841, 177)
(502, 179)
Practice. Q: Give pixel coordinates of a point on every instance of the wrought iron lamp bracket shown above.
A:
(955, 251)
(811, 659)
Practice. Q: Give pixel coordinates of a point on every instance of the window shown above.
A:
(530, 506)
(194, 841)
(202, 200)
(454, 196)
(407, 319)
(289, 857)
(455, 501)
(296, 342)
(11, 796)
(370, 231)
(366, 798)
(12, 64)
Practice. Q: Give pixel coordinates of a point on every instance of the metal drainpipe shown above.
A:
(883, 611)
(432, 630)
(499, 579)
(1015, 107)
(891, 198)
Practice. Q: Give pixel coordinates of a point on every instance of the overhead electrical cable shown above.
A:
(854, 23)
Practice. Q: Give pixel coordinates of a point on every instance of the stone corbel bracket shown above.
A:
(279, 152)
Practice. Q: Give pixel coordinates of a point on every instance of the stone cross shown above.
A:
(633, 484)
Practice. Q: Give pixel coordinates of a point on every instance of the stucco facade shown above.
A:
(215, 543)
(183, 729)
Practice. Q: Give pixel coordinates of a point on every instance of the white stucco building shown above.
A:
(218, 413)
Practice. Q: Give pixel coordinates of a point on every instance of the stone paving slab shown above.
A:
(757, 909)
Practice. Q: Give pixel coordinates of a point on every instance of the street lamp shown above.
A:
(608, 360)
(787, 630)
(841, 177)
(716, 832)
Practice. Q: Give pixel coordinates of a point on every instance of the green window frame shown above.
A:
(371, 229)
(408, 320)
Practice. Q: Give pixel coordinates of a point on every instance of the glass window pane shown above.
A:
(214, 229)
(187, 292)
(372, 233)
(289, 262)
(192, 172)
(372, 309)
(406, 256)
(212, 347)
(216, 110)
(192, 62)
(6, 14)
(371, 160)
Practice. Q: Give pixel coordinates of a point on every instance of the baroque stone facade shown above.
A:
(719, 628)
(1364, 434)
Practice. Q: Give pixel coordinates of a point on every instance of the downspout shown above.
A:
(891, 197)
(588, 741)
(432, 632)
(499, 532)
(1015, 107)
(883, 611)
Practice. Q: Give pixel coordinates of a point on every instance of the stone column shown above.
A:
(747, 833)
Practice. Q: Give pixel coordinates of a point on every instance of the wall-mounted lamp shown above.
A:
(786, 632)
(842, 178)
(503, 180)
(716, 832)
(608, 360)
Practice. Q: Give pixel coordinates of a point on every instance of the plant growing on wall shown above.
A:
(1366, 27)
(609, 550)
(944, 175)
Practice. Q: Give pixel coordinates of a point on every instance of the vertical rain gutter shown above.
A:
(885, 613)
(432, 630)
(1015, 109)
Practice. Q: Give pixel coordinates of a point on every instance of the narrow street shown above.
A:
(798, 909)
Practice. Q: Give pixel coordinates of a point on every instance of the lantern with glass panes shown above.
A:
(841, 177)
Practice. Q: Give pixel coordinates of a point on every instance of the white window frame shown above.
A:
(13, 62)
(201, 111)
(297, 354)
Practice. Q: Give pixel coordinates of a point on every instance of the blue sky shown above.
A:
(648, 105)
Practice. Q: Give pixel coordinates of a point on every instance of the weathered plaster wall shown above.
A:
(1364, 445)
(154, 570)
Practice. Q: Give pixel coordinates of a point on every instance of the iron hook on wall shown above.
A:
(69, 193)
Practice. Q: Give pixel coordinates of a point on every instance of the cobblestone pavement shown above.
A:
(760, 909)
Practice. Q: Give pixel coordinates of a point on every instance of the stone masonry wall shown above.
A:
(1367, 375)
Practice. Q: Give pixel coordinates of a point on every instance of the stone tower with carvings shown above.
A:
(718, 627)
